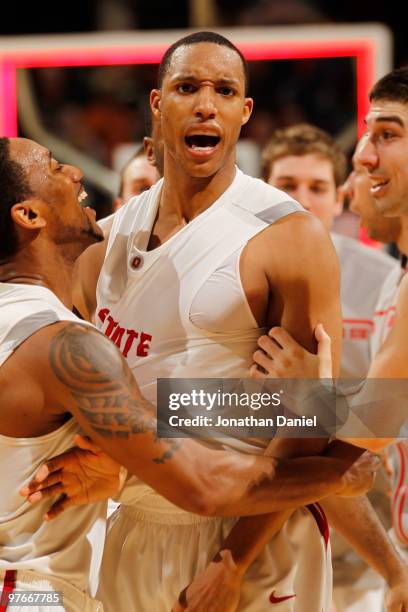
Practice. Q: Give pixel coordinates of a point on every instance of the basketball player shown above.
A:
(206, 222)
(305, 162)
(384, 154)
(54, 366)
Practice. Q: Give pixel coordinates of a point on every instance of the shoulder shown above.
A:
(364, 256)
(295, 247)
(258, 198)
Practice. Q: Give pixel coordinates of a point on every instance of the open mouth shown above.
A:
(377, 185)
(202, 142)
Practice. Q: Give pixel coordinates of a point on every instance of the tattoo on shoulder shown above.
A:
(102, 386)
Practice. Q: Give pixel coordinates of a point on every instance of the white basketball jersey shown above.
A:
(363, 272)
(397, 453)
(70, 546)
(146, 299)
(180, 311)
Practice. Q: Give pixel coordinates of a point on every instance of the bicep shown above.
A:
(310, 289)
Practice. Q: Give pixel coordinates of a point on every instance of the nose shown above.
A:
(73, 172)
(366, 155)
(205, 107)
(303, 196)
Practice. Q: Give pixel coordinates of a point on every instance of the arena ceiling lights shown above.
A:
(369, 44)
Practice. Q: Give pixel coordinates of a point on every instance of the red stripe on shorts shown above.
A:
(9, 584)
(319, 516)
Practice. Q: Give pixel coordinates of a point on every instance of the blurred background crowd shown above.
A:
(103, 111)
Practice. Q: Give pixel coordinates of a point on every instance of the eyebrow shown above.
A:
(291, 177)
(389, 119)
(191, 77)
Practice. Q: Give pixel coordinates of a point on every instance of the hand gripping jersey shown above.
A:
(69, 548)
(180, 311)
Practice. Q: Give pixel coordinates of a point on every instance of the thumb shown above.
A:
(323, 351)
(86, 444)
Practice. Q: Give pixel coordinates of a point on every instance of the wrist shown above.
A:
(235, 568)
(397, 572)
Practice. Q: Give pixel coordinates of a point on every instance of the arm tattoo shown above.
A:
(102, 385)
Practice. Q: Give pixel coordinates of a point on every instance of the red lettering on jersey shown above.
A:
(359, 333)
(111, 326)
(132, 335)
(118, 335)
(143, 347)
(102, 314)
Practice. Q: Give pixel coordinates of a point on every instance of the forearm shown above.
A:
(250, 535)
(356, 520)
(293, 483)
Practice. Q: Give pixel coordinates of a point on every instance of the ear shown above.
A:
(149, 150)
(28, 215)
(155, 103)
(248, 106)
(338, 208)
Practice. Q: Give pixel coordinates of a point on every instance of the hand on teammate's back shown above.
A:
(216, 589)
(82, 475)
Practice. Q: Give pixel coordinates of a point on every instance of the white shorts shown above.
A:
(152, 553)
(28, 581)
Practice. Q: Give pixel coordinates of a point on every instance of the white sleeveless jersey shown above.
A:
(69, 547)
(180, 310)
(363, 272)
(397, 453)
(385, 309)
(147, 300)
(175, 312)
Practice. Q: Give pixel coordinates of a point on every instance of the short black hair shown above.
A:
(194, 39)
(392, 86)
(13, 189)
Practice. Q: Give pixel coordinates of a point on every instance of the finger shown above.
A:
(53, 465)
(264, 361)
(45, 493)
(256, 373)
(282, 337)
(62, 504)
(270, 347)
(86, 443)
(33, 486)
(324, 343)
(182, 600)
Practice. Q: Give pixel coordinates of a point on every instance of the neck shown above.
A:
(52, 271)
(402, 242)
(186, 197)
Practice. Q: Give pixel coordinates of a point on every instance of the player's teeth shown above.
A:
(82, 195)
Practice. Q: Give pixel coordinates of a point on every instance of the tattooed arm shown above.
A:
(80, 371)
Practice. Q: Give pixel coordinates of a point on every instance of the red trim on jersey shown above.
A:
(400, 494)
(321, 520)
(9, 584)
(359, 321)
(382, 313)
